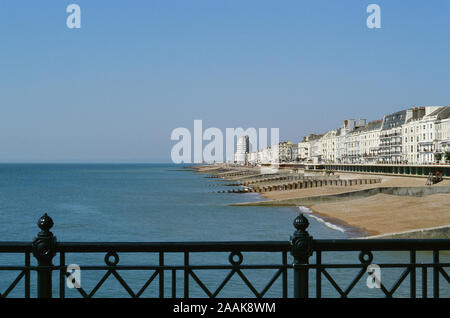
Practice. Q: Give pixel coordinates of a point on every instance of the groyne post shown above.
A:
(301, 250)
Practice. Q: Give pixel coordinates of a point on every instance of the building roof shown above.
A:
(375, 124)
(358, 129)
(312, 137)
(394, 120)
(417, 114)
(437, 111)
(442, 113)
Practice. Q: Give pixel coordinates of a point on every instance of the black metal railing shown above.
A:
(301, 247)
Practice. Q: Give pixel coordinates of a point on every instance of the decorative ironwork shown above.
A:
(44, 249)
(190, 272)
(302, 247)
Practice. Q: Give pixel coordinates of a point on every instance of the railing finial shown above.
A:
(301, 241)
(45, 223)
(301, 223)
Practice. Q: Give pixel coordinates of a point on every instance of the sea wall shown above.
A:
(352, 195)
(440, 232)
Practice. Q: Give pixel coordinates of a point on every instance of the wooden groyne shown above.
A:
(305, 184)
(287, 178)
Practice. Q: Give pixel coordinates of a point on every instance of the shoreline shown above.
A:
(364, 209)
(352, 231)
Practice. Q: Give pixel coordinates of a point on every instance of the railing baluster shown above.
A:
(424, 281)
(161, 275)
(318, 274)
(285, 278)
(436, 273)
(62, 275)
(27, 275)
(186, 274)
(412, 260)
(174, 283)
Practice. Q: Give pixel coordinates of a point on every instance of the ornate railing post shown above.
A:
(301, 250)
(44, 249)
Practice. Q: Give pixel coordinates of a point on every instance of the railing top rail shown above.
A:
(381, 244)
(242, 246)
(15, 247)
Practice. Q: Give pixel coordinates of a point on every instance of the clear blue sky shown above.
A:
(115, 89)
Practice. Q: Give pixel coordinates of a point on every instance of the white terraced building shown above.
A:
(418, 135)
(443, 131)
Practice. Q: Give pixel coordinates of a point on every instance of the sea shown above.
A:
(167, 203)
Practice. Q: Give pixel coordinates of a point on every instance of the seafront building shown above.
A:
(443, 131)
(242, 149)
(418, 135)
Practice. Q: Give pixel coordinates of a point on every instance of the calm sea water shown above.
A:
(157, 202)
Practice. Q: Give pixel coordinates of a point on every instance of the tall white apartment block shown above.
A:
(242, 148)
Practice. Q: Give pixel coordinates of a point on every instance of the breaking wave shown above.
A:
(332, 226)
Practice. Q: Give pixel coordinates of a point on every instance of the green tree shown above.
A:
(438, 156)
(447, 155)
